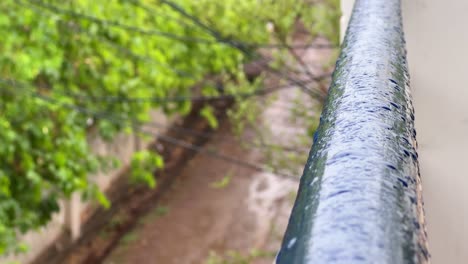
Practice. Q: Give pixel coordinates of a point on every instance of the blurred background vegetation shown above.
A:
(70, 67)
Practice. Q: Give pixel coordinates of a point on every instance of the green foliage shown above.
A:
(323, 18)
(208, 113)
(143, 164)
(222, 183)
(129, 238)
(155, 213)
(236, 257)
(74, 55)
(161, 211)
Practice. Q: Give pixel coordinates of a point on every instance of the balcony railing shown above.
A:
(359, 200)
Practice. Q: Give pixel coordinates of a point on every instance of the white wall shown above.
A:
(72, 215)
(437, 42)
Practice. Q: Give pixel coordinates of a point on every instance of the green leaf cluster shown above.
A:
(143, 164)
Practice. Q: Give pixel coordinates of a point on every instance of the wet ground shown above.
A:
(214, 206)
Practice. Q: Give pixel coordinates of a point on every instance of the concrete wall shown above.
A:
(437, 41)
(73, 212)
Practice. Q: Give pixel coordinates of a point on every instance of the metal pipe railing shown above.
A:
(359, 199)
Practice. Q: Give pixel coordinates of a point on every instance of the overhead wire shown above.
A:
(231, 41)
(173, 127)
(171, 140)
(154, 13)
(155, 124)
(152, 32)
(168, 66)
(238, 45)
(116, 24)
(181, 98)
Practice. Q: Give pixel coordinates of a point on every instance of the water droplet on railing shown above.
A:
(291, 243)
(386, 108)
(403, 182)
(314, 181)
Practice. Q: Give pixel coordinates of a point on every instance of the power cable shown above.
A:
(169, 35)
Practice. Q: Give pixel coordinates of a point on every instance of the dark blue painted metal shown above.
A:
(359, 199)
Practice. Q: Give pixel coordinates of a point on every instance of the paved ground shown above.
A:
(204, 213)
(200, 215)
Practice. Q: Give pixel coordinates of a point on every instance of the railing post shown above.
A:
(360, 200)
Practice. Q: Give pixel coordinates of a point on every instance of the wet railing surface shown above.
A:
(359, 200)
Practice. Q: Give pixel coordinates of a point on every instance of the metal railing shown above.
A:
(359, 199)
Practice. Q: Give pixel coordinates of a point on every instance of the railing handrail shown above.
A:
(359, 199)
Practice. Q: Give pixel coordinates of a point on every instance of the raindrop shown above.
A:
(386, 108)
(291, 243)
(394, 105)
(403, 182)
(314, 181)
